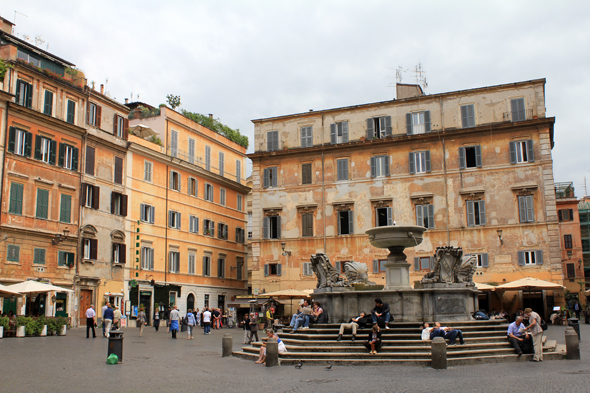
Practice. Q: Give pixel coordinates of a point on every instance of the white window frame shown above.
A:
(420, 162)
(174, 261)
(193, 224)
(89, 195)
(192, 262)
(87, 248)
(92, 112)
(209, 192)
(120, 126)
(68, 156)
(45, 149)
(20, 142)
(530, 258)
(147, 258)
(418, 123)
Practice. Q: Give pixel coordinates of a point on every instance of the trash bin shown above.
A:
(574, 322)
(116, 344)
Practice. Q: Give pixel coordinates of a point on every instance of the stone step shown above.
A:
(417, 324)
(549, 345)
(351, 346)
(388, 341)
(335, 330)
(310, 335)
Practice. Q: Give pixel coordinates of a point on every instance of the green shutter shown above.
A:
(42, 203)
(65, 208)
(38, 141)
(16, 198)
(48, 104)
(74, 158)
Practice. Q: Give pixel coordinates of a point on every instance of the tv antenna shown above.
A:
(420, 76)
(39, 40)
(14, 21)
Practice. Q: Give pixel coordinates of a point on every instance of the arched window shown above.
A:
(190, 302)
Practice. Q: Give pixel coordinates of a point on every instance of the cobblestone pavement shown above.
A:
(156, 363)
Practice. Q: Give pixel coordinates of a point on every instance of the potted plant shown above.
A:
(24, 326)
(4, 325)
(41, 326)
(51, 326)
(62, 326)
(260, 323)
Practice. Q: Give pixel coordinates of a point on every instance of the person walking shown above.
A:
(191, 323)
(90, 321)
(107, 319)
(253, 328)
(157, 320)
(537, 333)
(116, 317)
(246, 327)
(167, 317)
(207, 320)
(141, 320)
(101, 315)
(199, 318)
(174, 321)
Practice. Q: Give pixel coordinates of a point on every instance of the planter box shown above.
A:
(20, 331)
(61, 331)
(44, 331)
(1, 331)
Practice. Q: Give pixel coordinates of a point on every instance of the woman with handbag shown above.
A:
(141, 320)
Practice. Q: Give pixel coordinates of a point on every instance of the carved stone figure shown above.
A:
(357, 273)
(450, 266)
(327, 274)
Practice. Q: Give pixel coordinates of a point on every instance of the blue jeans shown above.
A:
(452, 335)
(303, 320)
(382, 318)
(207, 327)
(293, 318)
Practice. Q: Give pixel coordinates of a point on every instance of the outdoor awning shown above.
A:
(287, 294)
(36, 287)
(113, 294)
(484, 287)
(529, 283)
(5, 291)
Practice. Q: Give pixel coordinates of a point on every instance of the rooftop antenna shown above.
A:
(399, 74)
(106, 84)
(14, 22)
(39, 40)
(420, 76)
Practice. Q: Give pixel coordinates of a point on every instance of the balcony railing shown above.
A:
(526, 114)
(564, 190)
(198, 161)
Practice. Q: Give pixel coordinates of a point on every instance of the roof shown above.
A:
(33, 48)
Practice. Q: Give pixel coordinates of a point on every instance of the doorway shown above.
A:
(145, 300)
(190, 302)
(9, 305)
(85, 302)
(221, 302)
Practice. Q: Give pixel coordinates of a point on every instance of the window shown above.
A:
(530, 257)
(425, 216)
(423, 263)
(173, 143)
(119, 204)
(379, 166)
(16, 198)
(71, 112)
(12, 253)
(250, 225)
(517, 109)
(272, 141)
(66, 258)
(24, 93)
(240, 268)
(272, 269)
(383, 216)
(42, 203)
(174, 219)
(221, 163)
(307, 270)
(31, 59)
(339, 132)
(118, 170)
(90, 248)
(567, 242)
(65, 209)
(208, 158)
(222, 230)
(378, 127)
(305, 173)
(481, 260)
(306, 136)
(119, 255)
(307, 225)
(174, 180)
(208, 227)
(221, 267)
(342, 169)
(206, 300)
(68, 157)
(420, 162)
(48, 103)
(571, 270)
(174, 262)
(209, 192)
(90, 195)
(147, 213)
(239, 235)
(147, 171)
(239, 203)
(147, 258)
(417, 122)
(522, 151)
(193, 224)
(476, 213)
(222, 196)
(238, 171)
(191, 150)
(470, 157)
(206, 269)
(89, 167)
(379, 266)
(270, 177)
(39, 256)
(271, 227)
(20, 142)
(586, 245)
(565, 214)
(345, 222)
(94, 115)
(193, 185)
(120, 126)
(192, 258)
(467, 116)
(526, 208)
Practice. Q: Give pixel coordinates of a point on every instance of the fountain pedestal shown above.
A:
(397, 269)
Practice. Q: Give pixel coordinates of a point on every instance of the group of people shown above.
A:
(527, 339)
(446, 332)
(307, 314)
(111, 318)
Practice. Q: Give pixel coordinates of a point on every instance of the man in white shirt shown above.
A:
(207, 320)
(426, 332)
(90, 321)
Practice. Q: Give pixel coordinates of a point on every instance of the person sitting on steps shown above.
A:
(373, 342)
(353, 324)
(302, 317)
(381, 313)
(450, 333)
(520, 339)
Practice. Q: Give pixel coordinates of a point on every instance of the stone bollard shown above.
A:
(272, 352)
(438, 350)
(226, 345)
(572, 344)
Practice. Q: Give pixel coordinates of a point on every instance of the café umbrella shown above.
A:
(142, 131)
(4, 292)
(530, 283)
(288, 294)
(36, 287)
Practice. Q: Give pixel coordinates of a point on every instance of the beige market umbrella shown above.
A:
(142, 131)
(4, 291)
(530, 283)
(36, 287)
(484, 287)
(288, 294)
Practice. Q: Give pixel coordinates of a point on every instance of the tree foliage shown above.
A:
(173, 101)
(217, 126)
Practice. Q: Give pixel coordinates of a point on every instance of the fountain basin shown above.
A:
(396, 236)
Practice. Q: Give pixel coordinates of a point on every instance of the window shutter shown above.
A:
(88, 112)
(388, 125)
(350, 222)
(389, 216)
(530, 151)
(409, 129)
(333, 133)
(512, 152)
(344, 131)
(521, 258)
(279, 269)
(84, 187)
(74, 158)
(18, 83)
(122, 253)
(11, 138)
(278, 227)
(265, 222)
(52, 151)
(427, 159)
(338, 218)
(178, 220)
(93, 249)
(478, 156)
(275, 178)
(464, 117)
(462, 155)
(482, 213)
(89, 161)
(118, 170)
(522, 208)
(530, 209)
(386, 163)
(124, 205)
(571, 214)
(484, 260)
(28, 143)
(125, 129)
(539, 257)
(179, 184)
(152, 214)
(98, 116)
(431, 263)
(171, 186)
(373, 167)
(470, 214)
(559, 215)
(37, 147)
(29, 93)
(430, 216)
(370, 129)
(266, 270)
(419, 218)
(115, 123)
(338, 266)
(266, 178)
(142, 213)
(375, 266)
(303, 136)
(427, 121)
(412, 164)
(113, 195)
(416, 264)
(471, 115)
(514, 109)
(170, 218)
(95, 197)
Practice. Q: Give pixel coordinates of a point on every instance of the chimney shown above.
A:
(403, 90)
(101, 89)
(211, 116)
(126, 101)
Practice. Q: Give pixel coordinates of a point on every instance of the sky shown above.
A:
(244, 60)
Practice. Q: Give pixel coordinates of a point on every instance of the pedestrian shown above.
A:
(141, 320)
(191, 323)
(117, 317)
(577, 309)
(199, 318)
(174, 321)
(246, 327)
(157, 320)
(537, 333)
(167, 317)
(90, 321)
(101, 315)
(107, 319)
(216, 316)
(207, 320)
(253, 328)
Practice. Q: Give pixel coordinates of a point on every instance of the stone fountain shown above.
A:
(446, 293)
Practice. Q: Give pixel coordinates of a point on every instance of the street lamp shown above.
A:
(283, 244)
(60, 238)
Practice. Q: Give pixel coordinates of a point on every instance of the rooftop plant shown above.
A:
(218, 127)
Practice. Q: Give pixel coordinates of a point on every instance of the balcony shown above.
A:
(527, 114)
(564, 190)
